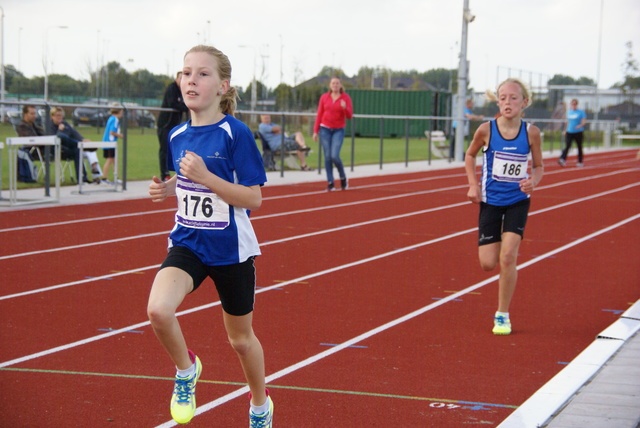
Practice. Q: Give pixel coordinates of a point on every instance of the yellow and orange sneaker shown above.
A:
(501, 325)
(183, 400)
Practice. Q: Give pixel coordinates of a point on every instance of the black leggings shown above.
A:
(568, 139)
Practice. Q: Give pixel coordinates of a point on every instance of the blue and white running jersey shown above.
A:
(505, 164)
(218, 233)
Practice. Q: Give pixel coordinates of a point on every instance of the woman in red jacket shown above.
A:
(334, 108)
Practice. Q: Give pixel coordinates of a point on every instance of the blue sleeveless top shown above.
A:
(505, 164)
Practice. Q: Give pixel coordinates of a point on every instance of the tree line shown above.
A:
(112, 81)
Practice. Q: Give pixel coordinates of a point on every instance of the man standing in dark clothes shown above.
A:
(167, 120)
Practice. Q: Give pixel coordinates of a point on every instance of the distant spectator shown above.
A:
(69, 139)
(574, 130)
(111, 134)
(27, 126)
(273, 134)
(334, 108)
(167, 120)
(468, 115)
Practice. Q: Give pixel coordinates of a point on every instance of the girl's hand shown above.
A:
(526, 186)
(158, 190)
(315, 137)
(474, 194)
(193, 167)
(343, 104)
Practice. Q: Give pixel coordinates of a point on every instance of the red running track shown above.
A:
(372, 307)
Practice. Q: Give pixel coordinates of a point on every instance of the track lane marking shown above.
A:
(321, 273)
(293, 195)
(307, 235)
(271, 386)
(307, 210)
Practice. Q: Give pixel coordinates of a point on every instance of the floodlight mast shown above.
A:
(2, 64)
(467, 17)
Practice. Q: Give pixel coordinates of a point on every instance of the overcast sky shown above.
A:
(291, 40)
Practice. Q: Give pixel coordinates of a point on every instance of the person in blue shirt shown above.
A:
(468, 116)
(272, 133)
(219, 174)
(111, 134)
(504, 190)
(574, 131)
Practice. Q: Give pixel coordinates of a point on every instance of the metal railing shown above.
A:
(606, 130)
(605, 134)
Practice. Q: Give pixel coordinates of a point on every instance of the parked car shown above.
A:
(93, 116)
(10, 110)
(145, 119)
(139, 117)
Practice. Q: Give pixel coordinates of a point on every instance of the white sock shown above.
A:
(188, 372)
(258, 410)
(504, 314)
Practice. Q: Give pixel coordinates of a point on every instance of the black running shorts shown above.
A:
(236, 284)
(495, 220)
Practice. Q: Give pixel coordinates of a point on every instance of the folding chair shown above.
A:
(37, 154)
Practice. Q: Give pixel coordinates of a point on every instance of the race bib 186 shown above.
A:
(199, 207)
(509, 166)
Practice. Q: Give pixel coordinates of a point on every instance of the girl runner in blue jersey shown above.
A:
(219, 178)
(505, 188)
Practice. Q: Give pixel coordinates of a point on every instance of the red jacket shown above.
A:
(331, 114)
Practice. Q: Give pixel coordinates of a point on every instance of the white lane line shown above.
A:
(295, 195)
(307, 235)
(267, 198)
(328, 207)
(320, 273)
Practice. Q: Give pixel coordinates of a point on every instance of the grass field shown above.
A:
(142, 151)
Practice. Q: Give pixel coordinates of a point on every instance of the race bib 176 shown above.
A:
(199, 207)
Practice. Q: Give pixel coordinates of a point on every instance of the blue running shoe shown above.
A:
(263, 420)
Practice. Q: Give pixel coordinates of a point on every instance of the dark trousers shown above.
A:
(69, 150)
(568, 139)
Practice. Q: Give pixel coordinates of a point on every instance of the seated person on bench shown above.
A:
(271, 133)
(69, 137)
(28, 126)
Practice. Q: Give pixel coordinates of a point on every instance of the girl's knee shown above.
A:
(159, 315)
(508, 260)
(241, 344)
(488, 265)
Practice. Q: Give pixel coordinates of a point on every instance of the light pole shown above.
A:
(45, 60)
(467, 17)
(2, 65)
(597, 108)
(98, 67)
(254, 83)
(281, 49)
